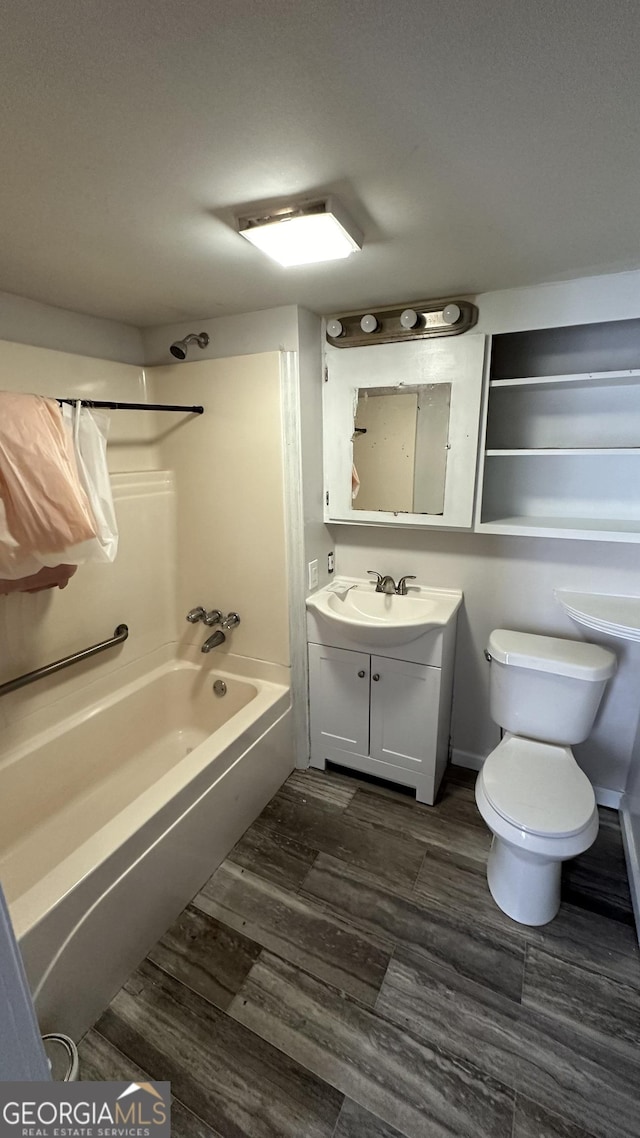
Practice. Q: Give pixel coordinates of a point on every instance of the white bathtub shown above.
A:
(114, 818)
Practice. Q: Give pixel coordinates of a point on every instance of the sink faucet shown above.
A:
(383, 584)
(387, 584)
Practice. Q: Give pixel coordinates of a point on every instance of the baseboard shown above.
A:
(606, 797)
(632, 857)
(472, 762)
(467, 759)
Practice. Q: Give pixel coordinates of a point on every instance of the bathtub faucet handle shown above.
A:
(208, 618)
(211, 618)
(230, 621)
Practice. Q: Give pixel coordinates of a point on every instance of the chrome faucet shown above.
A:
(230, 621)
(217, 638)
(208, 618)
(387, 584)
(401, 587)
(214, 641)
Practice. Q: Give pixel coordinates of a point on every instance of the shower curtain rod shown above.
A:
(197, 410)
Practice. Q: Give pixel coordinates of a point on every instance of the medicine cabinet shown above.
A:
(562, 433)
(401, 432)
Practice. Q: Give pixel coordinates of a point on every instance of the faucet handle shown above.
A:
(211, 618)
(194, 615)
(401, 587)
(379, 581)
(230, 621)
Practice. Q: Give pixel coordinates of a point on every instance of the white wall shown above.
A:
(509, 581)
(273, 329)
(41, 325)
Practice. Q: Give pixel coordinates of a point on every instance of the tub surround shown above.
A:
(230, 494)
(191, 514)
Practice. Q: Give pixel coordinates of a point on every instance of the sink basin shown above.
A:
(379, 620)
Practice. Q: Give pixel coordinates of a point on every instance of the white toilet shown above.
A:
(545, 693)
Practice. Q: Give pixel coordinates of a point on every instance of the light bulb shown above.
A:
(409, 318)
(334, 328)
(368, 323)
(451, 313)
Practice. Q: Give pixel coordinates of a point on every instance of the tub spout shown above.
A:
(213, 641)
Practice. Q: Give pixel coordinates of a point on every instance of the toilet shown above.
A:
(545, 693)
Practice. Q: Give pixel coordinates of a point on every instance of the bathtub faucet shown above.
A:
(214, 641)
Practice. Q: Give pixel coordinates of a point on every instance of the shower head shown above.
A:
(180, 348)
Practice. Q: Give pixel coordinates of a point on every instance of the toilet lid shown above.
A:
(538, 787)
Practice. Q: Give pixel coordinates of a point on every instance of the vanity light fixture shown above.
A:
(395, 323)
(303, 233)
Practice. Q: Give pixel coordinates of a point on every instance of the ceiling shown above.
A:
(478, 145)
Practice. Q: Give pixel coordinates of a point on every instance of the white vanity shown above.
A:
(380, 679)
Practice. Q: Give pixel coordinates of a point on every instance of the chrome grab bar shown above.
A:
(120, 635)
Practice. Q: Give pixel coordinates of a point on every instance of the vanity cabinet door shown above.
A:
(339, 700)
(404, 713)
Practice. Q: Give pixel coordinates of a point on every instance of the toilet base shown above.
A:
(525, 887)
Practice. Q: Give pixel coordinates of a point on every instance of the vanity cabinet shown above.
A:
(383, 714)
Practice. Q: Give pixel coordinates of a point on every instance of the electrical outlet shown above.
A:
(331, 562)
(313, 574)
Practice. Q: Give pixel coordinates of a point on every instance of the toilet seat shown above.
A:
(538, 787)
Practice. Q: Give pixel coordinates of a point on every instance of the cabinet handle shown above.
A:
(376, 677)
(362, 674)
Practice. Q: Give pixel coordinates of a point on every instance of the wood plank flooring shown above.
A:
(345, 973)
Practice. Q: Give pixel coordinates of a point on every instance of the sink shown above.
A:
(379, 620)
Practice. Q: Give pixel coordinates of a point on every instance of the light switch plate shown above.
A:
(313, 574)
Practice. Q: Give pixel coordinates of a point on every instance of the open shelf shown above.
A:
(562, 433)
(595, 529)
(564, 451)
(587, 378)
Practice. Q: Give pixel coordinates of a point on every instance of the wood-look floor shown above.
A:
(346, 974)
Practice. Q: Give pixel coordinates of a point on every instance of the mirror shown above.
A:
(400, 447)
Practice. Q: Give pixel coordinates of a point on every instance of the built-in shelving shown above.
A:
(590, 378)
(562, 448)
(550, 451)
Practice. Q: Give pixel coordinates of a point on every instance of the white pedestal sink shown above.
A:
(613, 615)
(618, 617)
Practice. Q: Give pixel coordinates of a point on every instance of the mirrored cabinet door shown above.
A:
(401, 428)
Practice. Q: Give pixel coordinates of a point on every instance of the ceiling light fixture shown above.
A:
(303, 234)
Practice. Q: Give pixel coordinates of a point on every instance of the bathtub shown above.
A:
(111, 820)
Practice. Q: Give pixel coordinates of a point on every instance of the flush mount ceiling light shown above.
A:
(303, 234)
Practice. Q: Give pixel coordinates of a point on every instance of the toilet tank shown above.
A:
(544, 687)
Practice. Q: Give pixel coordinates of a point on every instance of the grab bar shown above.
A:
(120, 635)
